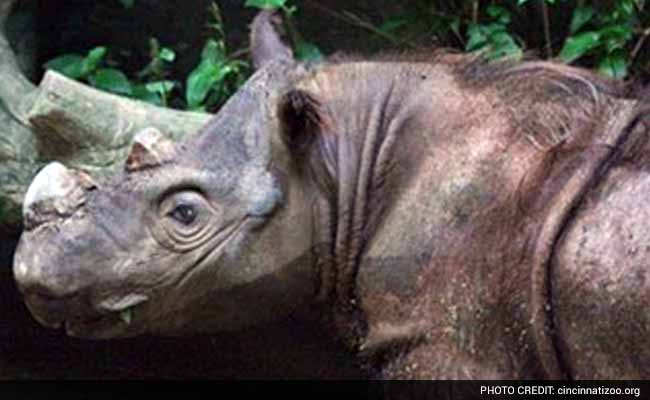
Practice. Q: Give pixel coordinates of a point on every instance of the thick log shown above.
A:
(17, 144)
(67, 121)
(86, 128)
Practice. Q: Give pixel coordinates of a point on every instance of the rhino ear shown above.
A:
(266, 44)
(150, 148)
(301, 118)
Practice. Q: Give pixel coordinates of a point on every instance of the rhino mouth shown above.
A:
(54, 313)
(101, 326)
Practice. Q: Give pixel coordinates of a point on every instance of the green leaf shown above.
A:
(392, 24)
(454, 25)
(614, 65)
(289, 10)
(477, 38)
(579, 45)
(162, 87)
(92, 60)
(140, 92)
(626, 8)
(503, 45)
(126, 316)
(499, 13)
(127, 3)
(70, 65)
(213, 52)
(265, 4)
(481, 36)
(617, 34)
(581, 16)
(306, 51)
(111, 80)
(154, 92)
(493, 28)
(201, 81)
(167, 54)
(213, 68)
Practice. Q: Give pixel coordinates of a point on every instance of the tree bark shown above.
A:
(89, 129)
(66, 121)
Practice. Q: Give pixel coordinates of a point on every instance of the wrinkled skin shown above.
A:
(444, 211)
(123, 252)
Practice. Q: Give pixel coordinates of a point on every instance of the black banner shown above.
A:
(334, 390)
(514, 390)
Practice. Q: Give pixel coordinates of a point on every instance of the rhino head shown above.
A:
(207, 234)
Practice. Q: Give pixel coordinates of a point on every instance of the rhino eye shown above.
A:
(184, 213)
(185, 220)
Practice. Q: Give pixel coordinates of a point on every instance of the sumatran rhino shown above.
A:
(447, 216)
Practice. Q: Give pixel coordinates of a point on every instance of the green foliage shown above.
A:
(308, 51)
(602, 35)
(216, 76)
(161, 58)
(93, 70)
(111, 80)
(493, 37)
(609, 36)
(89, 69)
(578, 45)
(127, 3)
(67, 64)
(76, 66)
(210, 76)
(522, 2)
(266, 4)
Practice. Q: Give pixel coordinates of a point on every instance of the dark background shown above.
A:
(42, 30)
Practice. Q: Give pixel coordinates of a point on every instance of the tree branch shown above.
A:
(475, 10)
(639, 44)
(67, 121)
(547, 29)
(355, 20)
(90, 129)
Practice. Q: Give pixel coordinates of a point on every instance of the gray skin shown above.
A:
(113, 259)
(446, 211)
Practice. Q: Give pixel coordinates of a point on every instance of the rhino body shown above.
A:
(447, 217)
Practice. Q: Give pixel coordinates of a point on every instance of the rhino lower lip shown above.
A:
(52, 313)
(46, 310)
(101, 326)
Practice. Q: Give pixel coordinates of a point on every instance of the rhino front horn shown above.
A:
(150, 149)
(55, 192)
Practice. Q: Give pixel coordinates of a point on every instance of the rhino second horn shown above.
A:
(55, 191)
(150, 149)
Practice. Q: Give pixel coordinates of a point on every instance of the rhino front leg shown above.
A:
(601, 281)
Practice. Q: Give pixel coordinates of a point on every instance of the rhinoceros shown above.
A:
(448, 217)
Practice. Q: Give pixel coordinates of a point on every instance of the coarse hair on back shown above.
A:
(546, 101)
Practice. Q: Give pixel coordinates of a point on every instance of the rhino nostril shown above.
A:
(31, 283)
(42, 294)
(33, 278)
(43, 299)
(47, 310)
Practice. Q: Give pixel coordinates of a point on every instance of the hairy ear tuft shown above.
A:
(301, 119)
